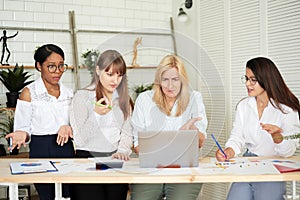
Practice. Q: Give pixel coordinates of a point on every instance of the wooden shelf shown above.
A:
(80, 67)
(142, 67)
(25, 67)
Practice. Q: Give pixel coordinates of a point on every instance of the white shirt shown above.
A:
(248, 132)
(99, 133)
(45, 114)
(146, 115)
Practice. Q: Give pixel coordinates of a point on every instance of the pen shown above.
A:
(99, 104)
(219, 146)
(10, 145)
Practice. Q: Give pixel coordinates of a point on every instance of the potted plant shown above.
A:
(141, 88)
(6, 127)
(90, 58)
(14, 81)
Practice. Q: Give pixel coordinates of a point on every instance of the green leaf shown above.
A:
(15, 80)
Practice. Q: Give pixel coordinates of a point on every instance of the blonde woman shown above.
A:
(170, 105)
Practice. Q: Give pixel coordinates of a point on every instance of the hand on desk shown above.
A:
(229, 153)
(120, 156)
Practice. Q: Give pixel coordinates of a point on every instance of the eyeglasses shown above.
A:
(252, 80)
(61, 67)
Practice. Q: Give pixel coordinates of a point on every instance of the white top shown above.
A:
(146, 115)
(99, 133)
(45, 114)
(247, 130)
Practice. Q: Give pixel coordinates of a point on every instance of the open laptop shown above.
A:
(168, 148)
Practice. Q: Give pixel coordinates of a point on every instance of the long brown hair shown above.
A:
(183, 98)
(270, 79)
(107, 60)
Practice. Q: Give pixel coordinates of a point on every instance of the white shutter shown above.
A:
(211, 39)
(284, 46)
(232, 32)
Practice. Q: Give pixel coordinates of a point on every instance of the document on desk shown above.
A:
(242, 166)
(285, 166)
(32, 167)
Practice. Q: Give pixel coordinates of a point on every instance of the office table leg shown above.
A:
(58, 191)
(13, 191)
(295, 196)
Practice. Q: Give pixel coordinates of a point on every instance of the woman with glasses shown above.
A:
(269, 113)
(42, 114)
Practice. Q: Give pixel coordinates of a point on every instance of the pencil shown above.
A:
(219, 146)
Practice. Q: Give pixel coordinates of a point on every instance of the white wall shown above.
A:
(215, 43)
(90, 15)
(92, 19)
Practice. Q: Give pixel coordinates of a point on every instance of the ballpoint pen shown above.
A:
(10, 145)
(219, 146)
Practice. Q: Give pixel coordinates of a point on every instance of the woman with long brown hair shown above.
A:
(100, 118)
(269, 113)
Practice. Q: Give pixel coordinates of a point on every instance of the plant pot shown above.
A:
(12, 98)
(2, 150)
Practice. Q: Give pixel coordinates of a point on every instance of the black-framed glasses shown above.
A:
(252, 80)
(61, 67)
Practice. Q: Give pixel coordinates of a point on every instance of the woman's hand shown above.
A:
(190, 125)
(229, 154)
(18, 138)
(136, 149)
(120, 156)
(64, 133)
(275, 132)
(102, 109)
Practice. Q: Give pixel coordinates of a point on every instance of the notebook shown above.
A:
(168, 149)
(32, 167)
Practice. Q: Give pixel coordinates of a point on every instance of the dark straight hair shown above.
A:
(43, 52)
(270, 79)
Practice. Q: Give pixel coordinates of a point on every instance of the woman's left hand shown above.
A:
(275, 132)
(64, 133)
(190, 125)
(120, 156)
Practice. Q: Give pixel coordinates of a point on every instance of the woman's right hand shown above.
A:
(18, 138)
(102, 109)
(229, 154)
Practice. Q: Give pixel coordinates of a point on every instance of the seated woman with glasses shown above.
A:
(262, 119)
(42, 114)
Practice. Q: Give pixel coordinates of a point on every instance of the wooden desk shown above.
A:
(119, 176)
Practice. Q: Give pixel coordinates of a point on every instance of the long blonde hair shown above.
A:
(183, 98)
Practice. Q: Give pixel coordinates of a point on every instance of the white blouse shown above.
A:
(146, 115)
(99, 133)
(248, 133)
(45, 114)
